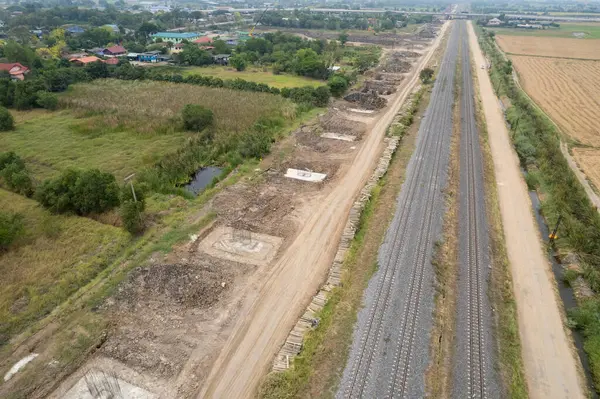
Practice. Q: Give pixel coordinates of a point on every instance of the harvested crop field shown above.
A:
(568, 90)
(152, 105)
(550, 46)
(589, 160)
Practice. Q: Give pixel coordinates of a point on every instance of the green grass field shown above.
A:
(57, 255)
(53, 141)
(253, 74)
(592, 31)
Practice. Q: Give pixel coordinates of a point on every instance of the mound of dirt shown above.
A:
(310, 136)
(185, 285)
(380, 87)
(335, 122)
(370, 100)
(397, 66)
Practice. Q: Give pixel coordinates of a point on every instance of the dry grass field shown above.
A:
(568, 90)
(589, 160)
(550, 46)
(149, 105)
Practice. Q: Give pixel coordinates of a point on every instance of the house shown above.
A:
(111, 61)
(75, 29)
(221, 59)
(150, 56)
(85, 60)
(178, 48)
(175, 37)
(114, 51)
(494, 22)
(16, 70)
(96, 51)
(203, 40)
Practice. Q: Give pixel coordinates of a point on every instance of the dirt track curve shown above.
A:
(548, 356)
(257, 336)
(389, 353)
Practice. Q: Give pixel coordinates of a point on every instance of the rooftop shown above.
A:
(185, 35)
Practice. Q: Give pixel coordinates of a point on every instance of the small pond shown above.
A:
(202, 178)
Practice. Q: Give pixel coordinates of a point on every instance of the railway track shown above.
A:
(474, 375)
(390, 347)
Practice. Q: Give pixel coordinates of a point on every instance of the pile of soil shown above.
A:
(187, 285)
(369, 100)
(334, 122)
(392, 78)
(397, 66)
(382, 88)
(310, 136)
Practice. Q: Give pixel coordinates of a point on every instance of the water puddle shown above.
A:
(202, 179)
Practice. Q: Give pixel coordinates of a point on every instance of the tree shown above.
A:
(343, 38)
(196, 117)
(338, 85)
(238, 61)
(6, 120)
(97, 70)
(426, 74)
(47, 100)
(321, 96)
(82, 192)
(192, 55)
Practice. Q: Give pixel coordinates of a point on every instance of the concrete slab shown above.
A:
(337, 136)
(97, 384)
(241, 246)
(361, 111)
(305, 175)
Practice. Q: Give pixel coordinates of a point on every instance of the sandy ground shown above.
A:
(296, 276)
(550, 365)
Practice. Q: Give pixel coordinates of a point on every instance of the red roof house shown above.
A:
(112, 61)
(115, 51)
(16, 70)
(203, 40)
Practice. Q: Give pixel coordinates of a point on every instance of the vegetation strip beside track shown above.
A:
(538, 145)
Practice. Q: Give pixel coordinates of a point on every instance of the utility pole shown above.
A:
(130, 180)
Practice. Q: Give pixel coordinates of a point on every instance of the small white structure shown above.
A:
(305, 175)
(337, 136)
(19, 365)
(494, 22)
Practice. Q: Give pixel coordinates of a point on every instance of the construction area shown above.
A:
(178, 319)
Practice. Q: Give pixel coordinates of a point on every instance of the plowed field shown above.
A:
(589, 160)
(550, 46)
(568, 90)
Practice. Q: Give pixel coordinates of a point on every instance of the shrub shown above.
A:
(82, 192)
(47, 100)
(426, 74)
(196, 117)
(337, 85)
(6, 120)
(11, 228)
(238, 62)
(132, 217)
(14, 174)
(321, 96)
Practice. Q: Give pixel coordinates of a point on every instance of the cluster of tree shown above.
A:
(311, 20)
(14, 175)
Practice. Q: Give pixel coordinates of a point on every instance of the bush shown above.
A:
(337, 85)
(47, 100)
(11, 228)
(132, 217)
(426, 74)
(82, 192)
(14, 174)
(321, 96)
(196, 117)
(6, 120)
(238, 62)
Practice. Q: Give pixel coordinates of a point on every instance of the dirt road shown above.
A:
(247, 354)
(550, 365)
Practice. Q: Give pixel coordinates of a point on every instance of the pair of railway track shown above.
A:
(389, 354)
